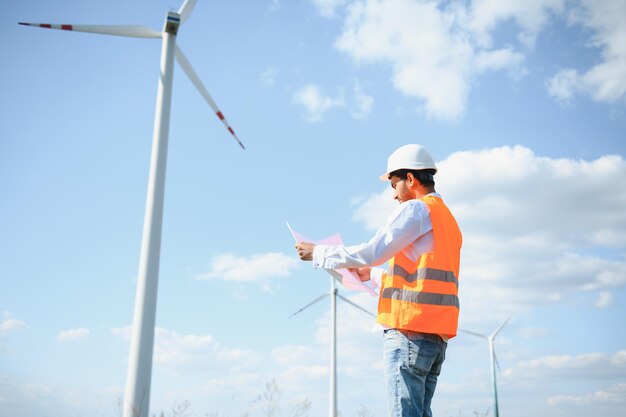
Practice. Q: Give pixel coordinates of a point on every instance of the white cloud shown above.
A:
(615, 394)
(358, 348)
(260, 268)
(533, 332)
(596, 365)
(298, 373)
(500, 59)
(18, 398)
(429, 48)
(564, 85)
(605, 299)
(583, 200)
(429, 61)
(174, 349)
(606, 80)
(436, 50)
(179, 352)
(72, 335)
(373, 211)
(288, 355)
(582, 384)
(268, 76)
(531, 17)
(124, 333)
(529, 222)
(357, 343)
(10, 324)
(315, 103)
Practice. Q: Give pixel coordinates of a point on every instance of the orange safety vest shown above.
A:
(422, 296)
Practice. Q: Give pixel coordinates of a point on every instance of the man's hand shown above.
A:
(362, 273)
(305, 250)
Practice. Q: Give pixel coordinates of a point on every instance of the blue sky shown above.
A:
(522, 104)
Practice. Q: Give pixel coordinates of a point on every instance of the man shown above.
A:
(418, 305)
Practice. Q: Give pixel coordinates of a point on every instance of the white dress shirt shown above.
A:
(408, 230)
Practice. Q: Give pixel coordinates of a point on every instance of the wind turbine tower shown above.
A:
(332, 386)
(492, 359)
(137, 397)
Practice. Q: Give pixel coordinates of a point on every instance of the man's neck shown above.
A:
(424, 191)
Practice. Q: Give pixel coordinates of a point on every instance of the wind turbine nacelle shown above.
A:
(172, 23)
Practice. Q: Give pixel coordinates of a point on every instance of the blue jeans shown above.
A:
(412, 364)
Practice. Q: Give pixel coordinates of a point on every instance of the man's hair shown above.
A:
(426, 177)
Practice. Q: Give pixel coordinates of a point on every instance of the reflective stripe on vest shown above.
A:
(422, 295)
(426, 273)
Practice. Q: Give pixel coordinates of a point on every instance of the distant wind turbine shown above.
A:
(137, 398)
(493, 360)
(333, 293)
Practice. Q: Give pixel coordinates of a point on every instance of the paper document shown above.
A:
(347, 278)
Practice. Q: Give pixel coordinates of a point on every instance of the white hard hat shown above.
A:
(411, 156)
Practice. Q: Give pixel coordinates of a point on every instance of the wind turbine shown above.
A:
(493, 359)
(333, 293)
(137, 396)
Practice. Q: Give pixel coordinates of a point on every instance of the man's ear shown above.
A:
(410, 178)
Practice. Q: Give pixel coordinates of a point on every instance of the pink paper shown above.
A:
(348, 279)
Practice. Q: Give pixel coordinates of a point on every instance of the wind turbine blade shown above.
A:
(186, 9)
(474, 334)
(356, 305)
(501, 326)
(133, 31)
(186, 66)
(321, 297)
